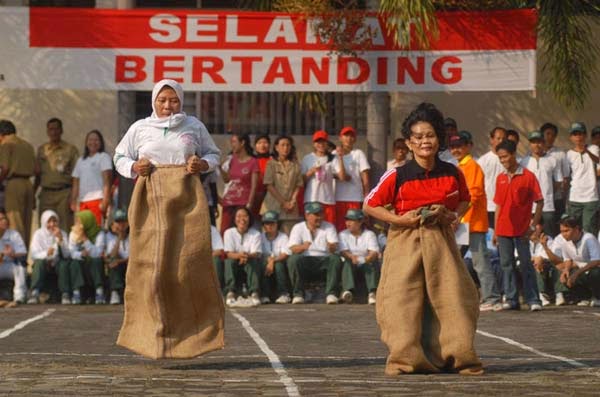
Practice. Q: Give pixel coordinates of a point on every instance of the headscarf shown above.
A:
(46, 215)
(174, 119)
(90, 226)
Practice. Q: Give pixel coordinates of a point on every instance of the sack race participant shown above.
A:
(427, 304)
(173, 307)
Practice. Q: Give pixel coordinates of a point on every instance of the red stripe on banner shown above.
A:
(187, 29)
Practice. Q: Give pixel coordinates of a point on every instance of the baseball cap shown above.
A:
(596, 130)
(535, 135)
(456, 140)
(355, 214)
(313, 207)
(119, 215)
(320, 135)
(449, 122)
(270, 217)
(577, 126)
(348, 130)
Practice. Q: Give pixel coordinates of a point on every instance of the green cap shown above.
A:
(355, 214)
(577, 126)
(119, 215)
(313, 207)
(270, 217)
(535, 135)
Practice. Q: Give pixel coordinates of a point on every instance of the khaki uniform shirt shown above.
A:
(285, 179)
(56, 164)
(18, 156)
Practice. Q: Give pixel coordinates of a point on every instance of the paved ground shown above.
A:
(311, 350)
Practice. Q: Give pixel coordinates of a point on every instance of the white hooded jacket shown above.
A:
(43, 239)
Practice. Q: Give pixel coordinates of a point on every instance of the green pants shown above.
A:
(587, 214)
(87, 271)
(549, 223)
(587, 285)
(63, 269)
(218, 264)
(303, 268)
(548, 279)
(369, 270)
(279, 278)
(235, 273)
(116, 277)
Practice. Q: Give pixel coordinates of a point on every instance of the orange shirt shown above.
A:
(476, 215)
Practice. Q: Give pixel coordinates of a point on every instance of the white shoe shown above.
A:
(560, 299)
(115, 299)
(331, 299)
(583, 302)
(264, 300)
(595, 302)
(544, 299)
(100, 298)
(230, 299)
(298, 300)
(76, 299)
(372, 299)
(34, 298)
(283, 299)
(535, 307)
(255, 299)
(347, 296)
(65, 299)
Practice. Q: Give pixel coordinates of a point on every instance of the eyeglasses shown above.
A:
(422, 137)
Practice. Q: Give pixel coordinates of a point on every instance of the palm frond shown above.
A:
(402, 16)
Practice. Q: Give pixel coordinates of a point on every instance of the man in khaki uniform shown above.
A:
(56, 160)
(17, 162)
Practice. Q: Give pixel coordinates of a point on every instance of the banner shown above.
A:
(100, 49)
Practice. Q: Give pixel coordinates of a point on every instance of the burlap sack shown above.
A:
(427, 303)
(173, 307)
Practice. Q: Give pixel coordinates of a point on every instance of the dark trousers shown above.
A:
(305, 268)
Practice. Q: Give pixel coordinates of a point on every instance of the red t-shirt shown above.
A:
(515, 197)
(417, 187)
(237, 191)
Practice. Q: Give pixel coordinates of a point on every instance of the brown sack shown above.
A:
(427, 303)
(173, 307)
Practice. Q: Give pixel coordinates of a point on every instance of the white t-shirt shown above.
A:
(583, 175)
(547, 171)
(249, 242)
(276, 246)
(95, 250)
(42, 240)
(491, 166)
(325, 234)
(536, 249)
(585, 250)
(561, 158)
(13, 238)
(320, 187)
(216, 241)
(111, 240)
(89, 172)
(355, 163)
(359, 246)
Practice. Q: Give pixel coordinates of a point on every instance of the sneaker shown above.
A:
(255, 299)
(100, 299)
(115, 299)
(595, 302)
(230, 298)
(283, 299)
(560, 299)
(583, 302)
(372, 299)
(34, 297)
(509, 306)
(487, 307)
(298, 300)
(544, 299)
(535, 307)
(76, 298)
(65, 299)
(347, 297)
(331, 299)
(264, 300)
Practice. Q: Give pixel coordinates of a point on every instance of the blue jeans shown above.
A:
(506, 248)
(481, 263)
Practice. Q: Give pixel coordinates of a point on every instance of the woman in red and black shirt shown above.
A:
(427, 303)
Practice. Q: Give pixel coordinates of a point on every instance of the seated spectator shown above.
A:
(545, 272)
(50, 254)
(242, 247)
(86, 244)
(275, 254)
(217, 254)
(313, 244)
(117, 254)
(13, 254)
(400, 153)
(360, 251)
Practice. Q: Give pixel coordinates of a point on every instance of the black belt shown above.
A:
(56, 189)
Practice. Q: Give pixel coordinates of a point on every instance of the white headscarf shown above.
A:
(174, 119)
(46, 215)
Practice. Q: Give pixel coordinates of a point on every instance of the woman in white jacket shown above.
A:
(49, 251)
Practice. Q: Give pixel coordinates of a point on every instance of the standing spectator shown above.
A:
(596, 136)
(451, 128)
(242, 245)
(400, 152)
(350, 190)
(491, 169)
(17, 165)
(550, 132)
(283, 180)
(117, 254)
(360, 250)
(549, 175)
(319, 170)
(313, 244)
(218, 254)
(583, 196)
(516, 191)
(262, 151)
(92, 178)
(55, 163)
(209, 183)
(275, 253)
(477, 220)
(241, 177)
(13, 255)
